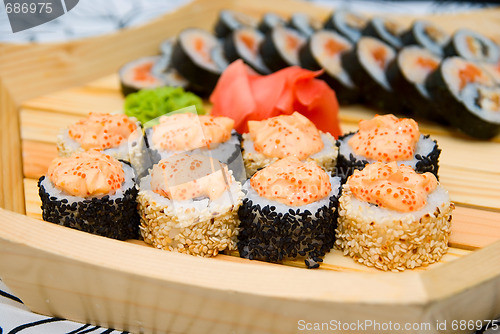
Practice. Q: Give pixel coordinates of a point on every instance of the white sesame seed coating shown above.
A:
(195, 232)
(404, 242)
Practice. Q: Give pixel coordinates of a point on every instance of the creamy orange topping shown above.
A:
(292, 182)
(386, 138)
(87, 174)
(284, 136)
(189, 131)
(102, 131)
(182, 177)
(392, 187)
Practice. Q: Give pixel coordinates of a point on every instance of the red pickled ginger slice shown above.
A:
(243, 95)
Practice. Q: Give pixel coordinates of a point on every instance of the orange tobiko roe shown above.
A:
(292, 182)
(188, 131)
(244, 95)
(386, 138)
(102, 131)
(283, 136)
(87, 174)
(182, 177)
(393, 187)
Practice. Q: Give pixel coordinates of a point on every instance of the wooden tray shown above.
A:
(67, 273)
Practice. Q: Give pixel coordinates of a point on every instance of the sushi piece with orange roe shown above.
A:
(392, 218)
(387, 138)
(91, 192)
(289, 212)
(117, 135)
(285, 136)
(188, 204)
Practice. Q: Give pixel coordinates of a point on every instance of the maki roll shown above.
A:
(426, 35)
(387, 138)
(385, 30)
(280, 48)
(244, 43)
(469, 112)
(392, 218)
(472, 46)
(115, 134)
(367, 64)
(284, 136)
(269, 21)
(199, 134)
(407, 74)
(348, 24)
(289, 212)
(163, 67)
(230, 21)
(304, 24)
(189, 204)
(91, 192)
(323, 50)
(493, 70)
(138, 74)
(198, 57)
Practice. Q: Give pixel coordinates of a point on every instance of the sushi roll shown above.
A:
(407, 74)
(198, 57)
(138, 74)
(244, 44)
(387, 138)
(189, 204)
(493, 70)
(304, 24)
(367, 64)
(392, 218)
(284, 136)
(269, 21)
(199, 134)
(115, 134)
(385, 30)
(230, 21)
(323, 50)
(447, 86)
(91, 192)
(426, 35)
(472, 46)
(289, 212)
(348, 24)
(280, 48)
(163, 66)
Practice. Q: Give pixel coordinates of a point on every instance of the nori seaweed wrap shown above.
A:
(323, 50)
(471, 110)
(274, 231)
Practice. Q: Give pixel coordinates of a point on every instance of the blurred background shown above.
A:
(97, 17)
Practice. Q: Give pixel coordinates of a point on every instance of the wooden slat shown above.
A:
(11, 176)
(78, 101)
(37, 157)
(44, 126)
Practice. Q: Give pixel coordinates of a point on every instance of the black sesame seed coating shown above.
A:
(346, 165)
(271, 236)
(117, 219)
